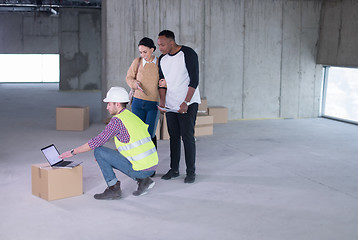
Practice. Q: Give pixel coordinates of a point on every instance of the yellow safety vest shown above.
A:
(140, 150)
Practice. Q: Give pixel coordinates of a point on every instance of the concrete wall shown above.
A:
(256, 57)
(28, 33)
(75, 34)
(339, 33)
(80, 49)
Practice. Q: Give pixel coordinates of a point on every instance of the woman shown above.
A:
(143, 77)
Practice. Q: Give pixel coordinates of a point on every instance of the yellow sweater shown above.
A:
(149, 78)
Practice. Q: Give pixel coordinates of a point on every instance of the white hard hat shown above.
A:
(117, 94)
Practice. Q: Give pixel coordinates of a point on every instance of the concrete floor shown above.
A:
(267, 179)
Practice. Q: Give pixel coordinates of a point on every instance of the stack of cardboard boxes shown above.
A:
(205, 120)
(204, 125)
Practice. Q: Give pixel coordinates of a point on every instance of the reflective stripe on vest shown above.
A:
(134, 145)
(142, 155)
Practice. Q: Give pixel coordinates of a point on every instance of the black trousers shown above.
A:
(181, 127)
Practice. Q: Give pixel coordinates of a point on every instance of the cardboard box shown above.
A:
(72, 118)
(204, 119)
(203, 106)
(204, 125)
(206, 130)
(56, 183)
(220, 114)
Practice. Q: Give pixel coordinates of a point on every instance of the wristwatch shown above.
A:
(73, 152)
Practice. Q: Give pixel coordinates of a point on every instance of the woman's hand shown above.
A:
(140, 87)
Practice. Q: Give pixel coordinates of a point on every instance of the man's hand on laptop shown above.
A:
(67, 154)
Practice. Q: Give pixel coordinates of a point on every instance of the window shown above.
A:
(32, 68)
(340, 93)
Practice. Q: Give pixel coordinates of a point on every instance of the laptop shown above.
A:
(51, 153)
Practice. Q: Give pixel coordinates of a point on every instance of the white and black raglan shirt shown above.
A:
(180, 71)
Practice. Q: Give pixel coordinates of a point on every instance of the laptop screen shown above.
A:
(51, 154)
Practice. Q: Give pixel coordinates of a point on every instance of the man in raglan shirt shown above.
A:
(178, 90)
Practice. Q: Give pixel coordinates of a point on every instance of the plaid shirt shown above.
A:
(114, 128)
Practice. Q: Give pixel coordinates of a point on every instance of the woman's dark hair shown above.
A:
(167, 34)
(147, 42)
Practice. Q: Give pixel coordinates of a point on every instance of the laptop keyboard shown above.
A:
(63, 163)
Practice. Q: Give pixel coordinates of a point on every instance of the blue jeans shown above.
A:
(109, 159)
(148, 112)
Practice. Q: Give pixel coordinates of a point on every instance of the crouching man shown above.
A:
(136, 156)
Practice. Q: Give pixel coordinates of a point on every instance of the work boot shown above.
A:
(170, 174)
(112, 192)
(143, 186)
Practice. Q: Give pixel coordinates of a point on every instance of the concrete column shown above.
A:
(339, 33)
(80, 51)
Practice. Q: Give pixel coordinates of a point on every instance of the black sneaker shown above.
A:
(143, 186)
(113, 192)
(190, 178)
(170, 174)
